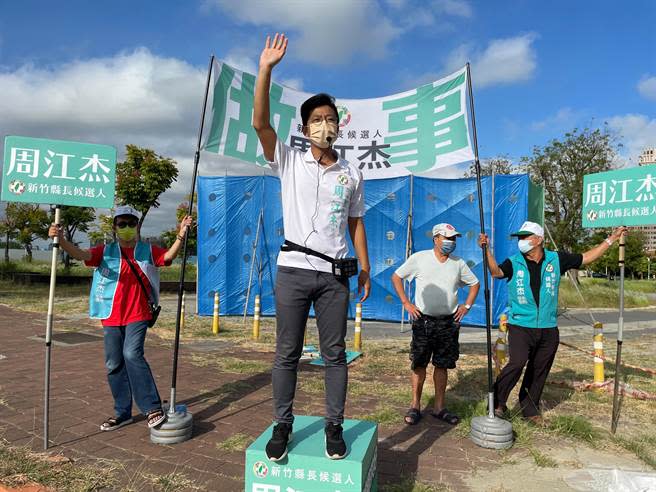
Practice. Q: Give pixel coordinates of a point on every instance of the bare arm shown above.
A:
(173, 251)
(397, 282)
(271, 55)
(495, 271)
(70, 248)
(359, 238)
(599, 250)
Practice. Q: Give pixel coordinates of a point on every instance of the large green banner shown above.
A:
(626, 197)
(418, 131)
(38, 170)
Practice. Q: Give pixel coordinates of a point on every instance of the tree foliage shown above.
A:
(142, 177)
(496, 165)
(103, 232)
(559, 167)
(168, 237)
(29, 222)
(75, 219)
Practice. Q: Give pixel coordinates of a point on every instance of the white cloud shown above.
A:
(326, 33)
(564, 118)
(456, 8)
(647, 87)
(503, 61)
(135, 97)
(637, 131)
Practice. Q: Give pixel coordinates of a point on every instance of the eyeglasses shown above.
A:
(319, 119)
(124, 224)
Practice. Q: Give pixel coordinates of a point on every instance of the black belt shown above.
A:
(342, 267)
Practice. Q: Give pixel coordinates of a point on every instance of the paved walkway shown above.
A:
(223, 405)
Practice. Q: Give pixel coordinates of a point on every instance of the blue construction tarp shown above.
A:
(230, 209)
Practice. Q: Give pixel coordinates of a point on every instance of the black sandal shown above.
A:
(412, 416)
(155, 418)
(113, 423)
(446, 416)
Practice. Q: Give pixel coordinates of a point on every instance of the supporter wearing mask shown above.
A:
(436, 314)
(124, 290)
(533, 277)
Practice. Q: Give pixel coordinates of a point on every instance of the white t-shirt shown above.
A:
(436, 283)
(316, 203)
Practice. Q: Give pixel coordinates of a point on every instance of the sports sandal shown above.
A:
(412, 416)
(113, 423)
(155, 418)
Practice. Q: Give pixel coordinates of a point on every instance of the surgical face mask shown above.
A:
(525, 245)
(448, 246)
(323, 133)
(127, 233)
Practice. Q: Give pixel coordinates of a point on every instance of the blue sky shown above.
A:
(132, 72)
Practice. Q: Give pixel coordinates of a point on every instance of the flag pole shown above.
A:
(176, 345)
(49, 323)
(486, 282)
(489, 431)
(620, 328)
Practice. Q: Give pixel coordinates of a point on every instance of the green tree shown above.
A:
(559, 167)
(8, 229)
(103, 232)
(142, 177)
(168, 237)
(30, 222)
(496, 165)
(75, 219)
(635, 259)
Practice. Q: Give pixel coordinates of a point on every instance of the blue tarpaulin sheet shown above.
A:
(230, 209)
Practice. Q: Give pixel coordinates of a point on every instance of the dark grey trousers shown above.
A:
(296, 290)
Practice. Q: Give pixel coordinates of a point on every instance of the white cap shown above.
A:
(446, 230)
(126, 210)
(529, 228)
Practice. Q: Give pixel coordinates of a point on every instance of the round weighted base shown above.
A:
(491, 433)
(177, 428)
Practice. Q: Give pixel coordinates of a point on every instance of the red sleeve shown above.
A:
(158, 256)
(96, 256)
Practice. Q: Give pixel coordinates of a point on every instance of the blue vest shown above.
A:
(106, 278)
(523, 309)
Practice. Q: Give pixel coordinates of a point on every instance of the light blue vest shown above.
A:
(523, 309)
(106, 278)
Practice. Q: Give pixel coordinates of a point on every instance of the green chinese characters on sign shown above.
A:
(77, 174)
(241, 139)
(624, 197)
(430, 126)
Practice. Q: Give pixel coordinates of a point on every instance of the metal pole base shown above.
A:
(177, 428)
(491, 433)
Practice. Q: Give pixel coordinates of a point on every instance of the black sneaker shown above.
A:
(335, 445)
(276, 448)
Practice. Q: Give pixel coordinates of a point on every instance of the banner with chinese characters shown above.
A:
(414, 132)
(37, 170)
(616, 198)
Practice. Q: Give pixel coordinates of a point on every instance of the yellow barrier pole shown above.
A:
(358, 328)
(256, 319)
(215, 319)
(182, 312)
(598, 352)
(501, 346)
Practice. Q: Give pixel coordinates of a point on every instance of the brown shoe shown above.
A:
(536, 420)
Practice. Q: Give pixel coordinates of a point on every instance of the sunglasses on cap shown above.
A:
(122, 224)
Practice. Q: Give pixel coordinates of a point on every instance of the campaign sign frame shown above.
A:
(626, 197)
(39, 170)
(306, 467)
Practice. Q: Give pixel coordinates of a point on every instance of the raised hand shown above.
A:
(273, 51)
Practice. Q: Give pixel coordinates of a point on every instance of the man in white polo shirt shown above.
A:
(321, 195)
(436, 315)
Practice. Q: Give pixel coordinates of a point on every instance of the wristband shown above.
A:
(608, 242)
(181, 238)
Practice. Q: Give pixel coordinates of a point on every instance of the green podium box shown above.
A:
(306, 467)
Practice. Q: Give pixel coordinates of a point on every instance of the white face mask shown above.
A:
(525, 245)
(323, 134)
